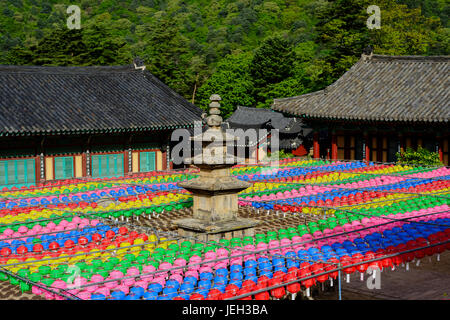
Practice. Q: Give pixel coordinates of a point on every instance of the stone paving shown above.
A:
(428, 281)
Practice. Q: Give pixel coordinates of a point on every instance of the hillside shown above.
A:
(249, 51)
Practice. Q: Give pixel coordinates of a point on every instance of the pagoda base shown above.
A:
(206, 231)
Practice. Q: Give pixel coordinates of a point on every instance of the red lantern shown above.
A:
(420, 242)
(213, 294)
(134, 234)
(55, 254)
(38, 247)
(225, 295)
(53, 245)
(244, 291)
(248, 284)
(358, 258)
(345, 261)
(306, 272)
(96, 237)
(196, 296)
(123, 231)
(293, 288)
(263, 280)
(261, 295)
(409, 256)
(279, 292)
(232, 289)
(69, 244)
(110, 234)
(317, 268)
(83, 241)
(22, 250)
(143, 236)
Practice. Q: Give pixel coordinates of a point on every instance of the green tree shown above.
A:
(272, 63)
(164, 49)
(420, 157)
(64, 47)
(232, 82)
(343, 34)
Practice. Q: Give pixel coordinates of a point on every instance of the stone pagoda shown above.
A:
(215, 191)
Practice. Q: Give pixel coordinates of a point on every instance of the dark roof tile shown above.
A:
(382, 88)
(35, 99)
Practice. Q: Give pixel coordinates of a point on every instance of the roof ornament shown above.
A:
(367, 53)
(138, 64)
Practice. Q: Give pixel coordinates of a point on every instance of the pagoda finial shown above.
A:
(214, 120)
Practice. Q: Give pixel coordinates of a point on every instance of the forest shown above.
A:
(247, 51)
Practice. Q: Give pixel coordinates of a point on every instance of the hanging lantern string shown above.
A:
(60, 292)
(176, 235)
(370, 188)
(337, 269)
(91, 214)
(235, 256)
(112, 180)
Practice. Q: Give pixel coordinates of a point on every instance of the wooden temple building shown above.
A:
(71, 122)
(292, 133)
(381, 105)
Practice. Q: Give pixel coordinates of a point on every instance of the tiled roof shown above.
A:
(245, 117)
(381, 88)
(44, 100)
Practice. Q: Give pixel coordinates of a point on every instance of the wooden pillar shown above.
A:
(83, 164)
(402, 141)
(366, 149)
(316, 146)
(439, 143)
(126, 162)
(37, 170)
(164, 158)
(334, 149)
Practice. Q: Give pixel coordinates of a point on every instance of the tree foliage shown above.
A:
(421, 156)
(249, 51)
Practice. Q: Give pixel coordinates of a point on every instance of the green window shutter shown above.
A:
(104, 166)
(95, 166)
(120, 168)
(107, 165)
(112, 165)
(31, 171)
(68, 170)
(11, 172)
(21, 171)
(3, 173)
(147, 161)
(58, 168)
(17, 172)
(63, 167)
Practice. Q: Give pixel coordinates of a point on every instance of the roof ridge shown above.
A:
(89, 70)
(380, 57)
(301, 96)
(253, 108)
